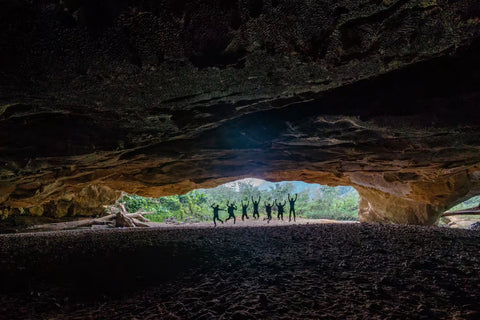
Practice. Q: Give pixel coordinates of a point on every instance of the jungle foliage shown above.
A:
(470, 203)
(339, 203)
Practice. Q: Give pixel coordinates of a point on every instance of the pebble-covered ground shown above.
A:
(309, 271)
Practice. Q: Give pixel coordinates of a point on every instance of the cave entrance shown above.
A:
(313, 201)
(465, 215)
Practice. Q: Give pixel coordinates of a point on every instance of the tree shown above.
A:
(192, 204)
(315, 202)
(281, 190)
(247, 191)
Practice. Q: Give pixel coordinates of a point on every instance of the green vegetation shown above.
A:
(339, 203)
(470, 203)
(463, 220)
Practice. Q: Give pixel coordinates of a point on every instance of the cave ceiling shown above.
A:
(161, 97)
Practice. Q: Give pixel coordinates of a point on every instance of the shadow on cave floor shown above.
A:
(333, 271)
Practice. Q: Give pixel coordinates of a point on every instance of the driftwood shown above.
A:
(471, 211)
(118, 218)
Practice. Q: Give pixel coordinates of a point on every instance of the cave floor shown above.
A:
(315, 271)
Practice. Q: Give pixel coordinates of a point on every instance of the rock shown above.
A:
(156, 98)
(170, 220)
(475, 226)
(190, 220)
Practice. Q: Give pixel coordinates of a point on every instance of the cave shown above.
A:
(158, 98)
(98, 99)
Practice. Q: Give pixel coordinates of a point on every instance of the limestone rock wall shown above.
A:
(89, 201)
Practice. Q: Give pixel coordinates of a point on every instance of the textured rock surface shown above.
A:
(160, 97)
(329, 271)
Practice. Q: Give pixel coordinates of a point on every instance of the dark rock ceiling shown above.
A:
(160, 97)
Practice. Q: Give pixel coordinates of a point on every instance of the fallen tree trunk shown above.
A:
(470, 211)
(138, 216)
(120, 219)
(68, 225)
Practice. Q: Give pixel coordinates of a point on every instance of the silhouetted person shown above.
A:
(216, 209)
(268, 209)
(292, 207)
(255, 208)
(244, 211)
(231, 214)
(280, 209)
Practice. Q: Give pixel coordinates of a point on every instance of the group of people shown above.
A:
(231, 207)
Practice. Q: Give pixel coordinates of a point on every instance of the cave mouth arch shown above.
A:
(311, 201)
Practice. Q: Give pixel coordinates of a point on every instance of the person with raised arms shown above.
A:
(231, 207)
(244, 210)
(280, 209)
(216, 209)
(255, 208)
(292, 207)
(268, 209)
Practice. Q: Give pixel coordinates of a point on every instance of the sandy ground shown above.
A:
(20, 224)
(301, 271)
(463, 222)
(249, 223)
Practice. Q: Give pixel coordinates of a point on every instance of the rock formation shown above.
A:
(161, 97)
